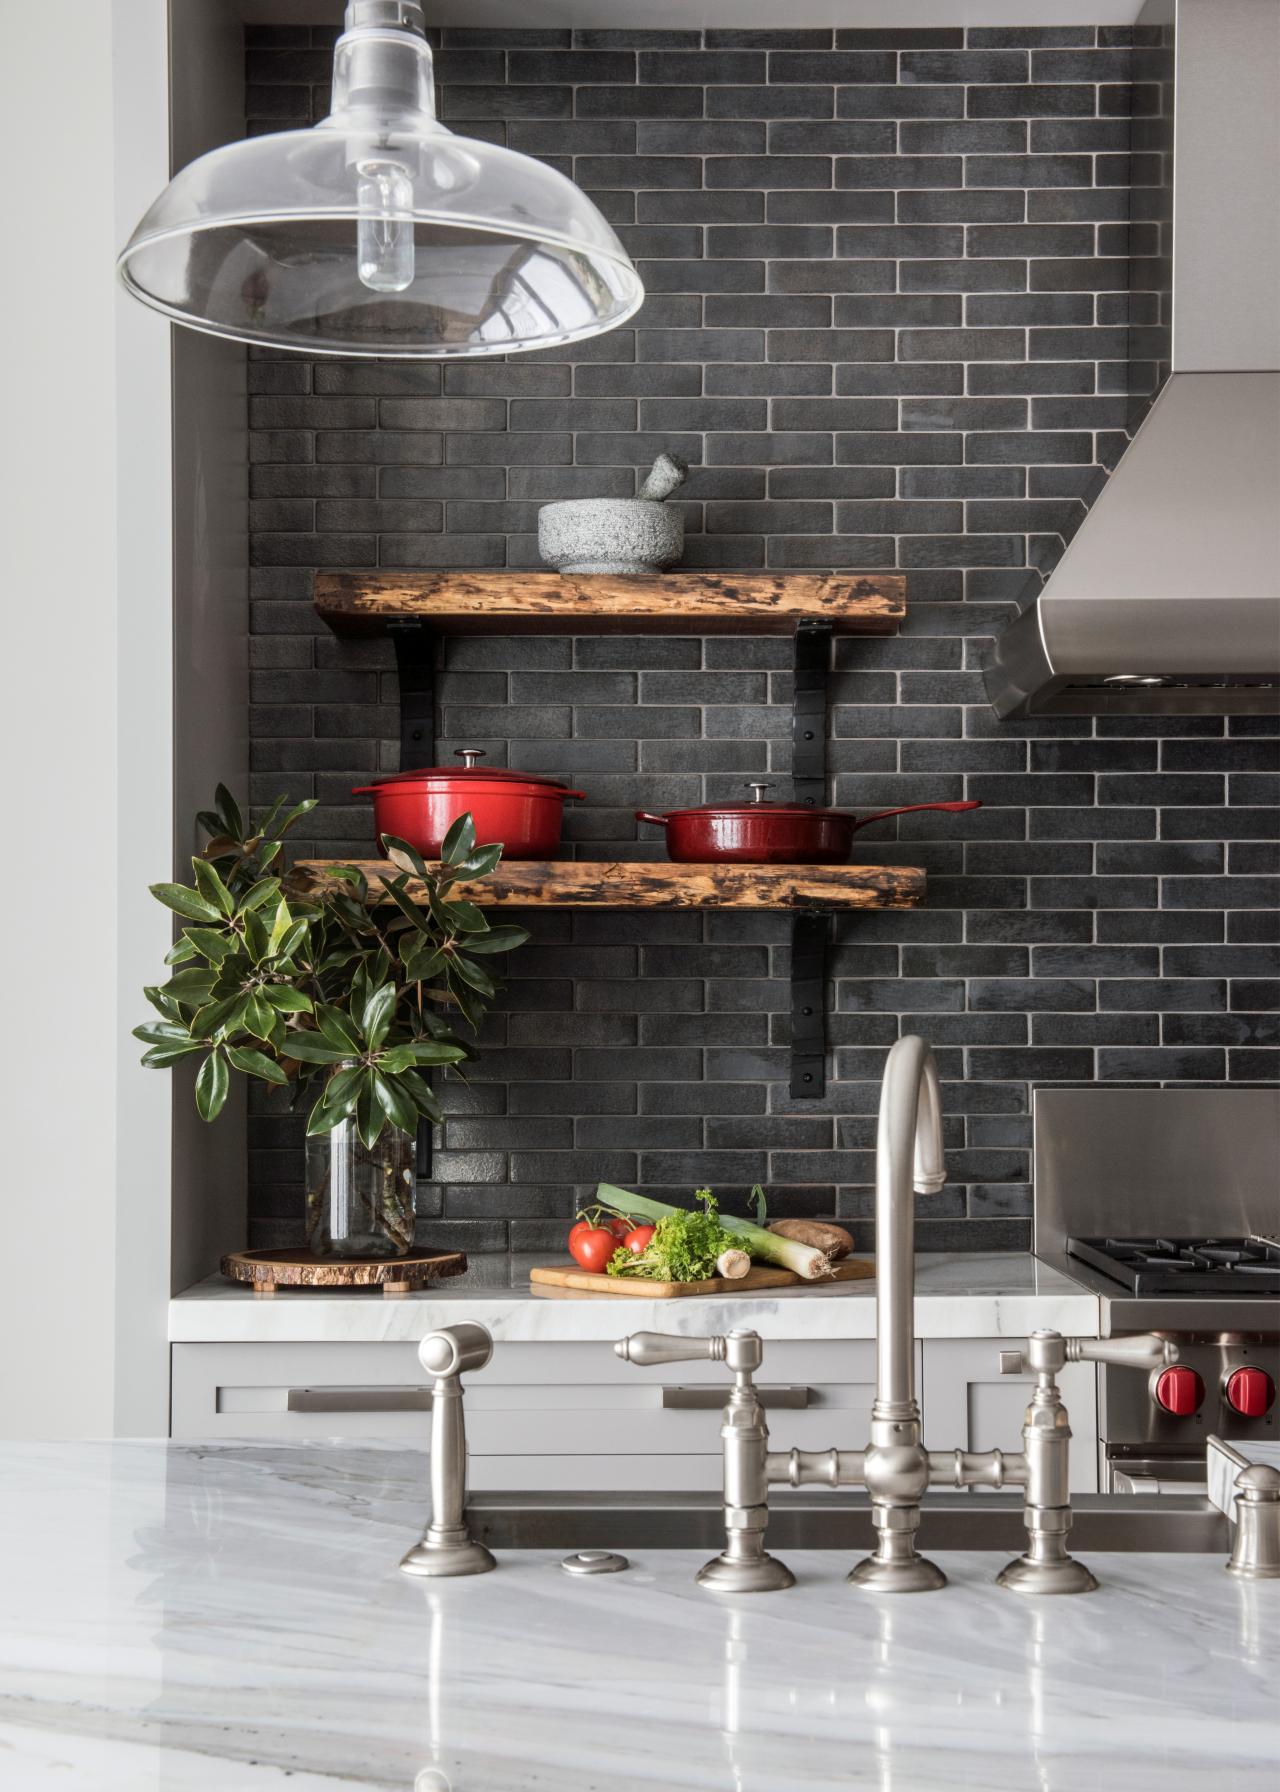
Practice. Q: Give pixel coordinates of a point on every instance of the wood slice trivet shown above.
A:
(852, 1269)
(269, 1270)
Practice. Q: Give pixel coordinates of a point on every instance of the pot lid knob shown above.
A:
(469, 755)
(759, 790)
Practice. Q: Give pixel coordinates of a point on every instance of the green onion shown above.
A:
(764, 1246)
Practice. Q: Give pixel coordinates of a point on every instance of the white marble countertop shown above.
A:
(957, 1296)
(228, 1619)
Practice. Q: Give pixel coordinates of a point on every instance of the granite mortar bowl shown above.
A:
(611, 535)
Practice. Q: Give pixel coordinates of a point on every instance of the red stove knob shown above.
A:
(1250, 1392)
(1179, 1390)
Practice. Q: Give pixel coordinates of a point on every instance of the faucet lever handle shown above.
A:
(1142, 1351)
(649, 1348)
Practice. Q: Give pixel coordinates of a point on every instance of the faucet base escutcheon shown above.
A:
(1028, 1574)
(761, 1574)
(909, 1574)
(428, 1559)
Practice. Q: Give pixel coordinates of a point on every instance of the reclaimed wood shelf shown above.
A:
(591, 883)
(692, 603)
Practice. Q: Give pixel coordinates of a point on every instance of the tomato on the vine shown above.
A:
(592, 1246)
(637, 1240)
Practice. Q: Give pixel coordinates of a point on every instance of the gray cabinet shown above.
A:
(541, 1416)
(968, 1404)
(571, 1416)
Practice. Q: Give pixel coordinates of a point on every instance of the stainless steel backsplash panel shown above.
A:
(1155, 1161)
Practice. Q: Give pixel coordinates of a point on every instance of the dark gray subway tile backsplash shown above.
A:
(886, 326)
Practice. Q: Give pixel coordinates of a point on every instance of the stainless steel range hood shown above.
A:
(1168, 599)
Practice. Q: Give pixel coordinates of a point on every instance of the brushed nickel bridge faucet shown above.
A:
(895, 1468)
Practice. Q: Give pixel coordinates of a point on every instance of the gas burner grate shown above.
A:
(1244, 1266)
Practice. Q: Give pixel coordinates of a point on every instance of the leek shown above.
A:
(764, 1246)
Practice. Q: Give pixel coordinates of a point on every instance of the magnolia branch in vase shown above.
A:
(343, 993)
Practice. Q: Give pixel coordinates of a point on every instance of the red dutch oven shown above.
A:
(520, 810)
(761, 833)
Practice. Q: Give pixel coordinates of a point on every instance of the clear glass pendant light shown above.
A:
(379, 232)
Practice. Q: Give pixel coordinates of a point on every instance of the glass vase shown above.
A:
(360, 1198)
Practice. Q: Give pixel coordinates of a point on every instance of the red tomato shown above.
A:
(577, 1229)
(619, 1228)
(592, 1247)
(637, 1241)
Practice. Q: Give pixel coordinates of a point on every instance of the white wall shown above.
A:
(86, 726)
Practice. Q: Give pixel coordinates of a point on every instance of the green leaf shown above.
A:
(460, 841)
(151, 1034)
(280, 926)
(184, 901)
(498, 939)
(423, 1095)
(229, 811)
(472, 975)
(193, 987)
(465, 917)
(212, 887)
(256, 936)
(211, 1085)
(396, 1103)
(407, 857)
(480, 863)
(181, 952)
(160, 1057)
(165, 1005)
(378, 1011)
(395, 889)
(256, 1064)
(259, 1017)
(291, 940)
(296, 814)
(286, 1000)
(343, 1083)
(434, 1051)
(326, 1114)
(216, 1016)
(214, 946)
(310, 1048)
(339, 1029)
(370, 1117)
(259, 894)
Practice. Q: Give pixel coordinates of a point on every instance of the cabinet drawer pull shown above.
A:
(682, 1399)
(359, 1400)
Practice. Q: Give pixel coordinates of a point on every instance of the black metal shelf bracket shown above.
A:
(810, 932)
(809, 713)
(415, 647)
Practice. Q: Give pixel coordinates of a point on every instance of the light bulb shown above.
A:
(384, 241)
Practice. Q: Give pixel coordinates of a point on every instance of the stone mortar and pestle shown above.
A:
(617, 535)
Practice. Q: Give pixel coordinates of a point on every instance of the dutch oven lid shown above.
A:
(469, 769)
(756, 805)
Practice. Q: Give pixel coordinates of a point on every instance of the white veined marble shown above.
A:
(224, 1619)
(990, 1295)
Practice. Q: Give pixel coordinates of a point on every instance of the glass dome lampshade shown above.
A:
(379, 232)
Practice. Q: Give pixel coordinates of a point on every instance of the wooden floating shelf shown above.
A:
(590, 883)
(692, 603)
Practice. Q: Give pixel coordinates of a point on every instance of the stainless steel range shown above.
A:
(1166, 1204)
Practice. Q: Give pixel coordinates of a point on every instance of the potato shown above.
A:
(821, 1234)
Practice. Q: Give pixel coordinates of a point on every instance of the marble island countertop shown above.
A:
(957, 1296)
(223, 1619)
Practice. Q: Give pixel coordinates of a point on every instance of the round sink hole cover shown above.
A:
(594, 1561)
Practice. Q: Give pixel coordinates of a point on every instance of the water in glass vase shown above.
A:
(360, 1198)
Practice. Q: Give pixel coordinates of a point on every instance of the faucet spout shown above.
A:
(909, 1158)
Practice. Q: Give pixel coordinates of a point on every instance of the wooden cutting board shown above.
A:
(568, 1275)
